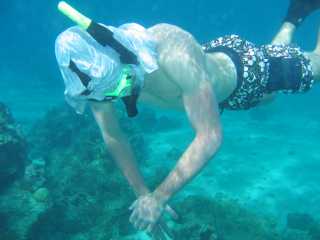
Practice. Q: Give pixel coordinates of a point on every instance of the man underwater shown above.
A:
(165, 66)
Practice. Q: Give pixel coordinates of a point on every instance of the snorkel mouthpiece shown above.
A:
(77, 17)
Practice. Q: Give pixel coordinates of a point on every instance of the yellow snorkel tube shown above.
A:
(100, 33)
(77, 17)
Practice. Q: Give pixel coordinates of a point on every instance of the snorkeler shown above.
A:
(165, 66)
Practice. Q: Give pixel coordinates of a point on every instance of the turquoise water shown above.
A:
(269, 162)
(29, 35)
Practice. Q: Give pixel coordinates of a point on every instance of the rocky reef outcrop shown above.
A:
(221, 218)
(18, 208)
(13, 151)
(72, 190)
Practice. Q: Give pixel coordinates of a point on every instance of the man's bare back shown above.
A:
(163, 88)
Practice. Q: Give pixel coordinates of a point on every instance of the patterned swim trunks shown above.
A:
(262, 70)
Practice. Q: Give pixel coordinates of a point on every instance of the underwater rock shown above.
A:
(20, 211)
(305, 223)
(88, 193)
(300, 221)
(61, 128)
(221, 219)
(58, 129)
(291, 234)
(34, 176)
(41, 195)
(13, 151)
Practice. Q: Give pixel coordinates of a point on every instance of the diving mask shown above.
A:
(125, 84)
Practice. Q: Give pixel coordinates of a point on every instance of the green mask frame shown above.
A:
(125, 83)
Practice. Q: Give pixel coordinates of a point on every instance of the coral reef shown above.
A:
(12, 149)
(88, 193)
(220, 218)
(62, 130)
(19, 210)
(72, 190)
(34, 176)
(41, 195)
(303, 224)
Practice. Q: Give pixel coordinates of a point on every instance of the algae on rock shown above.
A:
(13, 151)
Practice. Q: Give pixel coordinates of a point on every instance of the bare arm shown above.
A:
(205, 120)
(118, 145)
(202, 110)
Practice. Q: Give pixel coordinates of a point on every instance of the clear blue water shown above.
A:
(270, 159)
(28, 35)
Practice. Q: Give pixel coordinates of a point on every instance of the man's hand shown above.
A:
(146, 215)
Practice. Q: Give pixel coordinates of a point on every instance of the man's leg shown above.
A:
(284, 36)
(298, 10)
